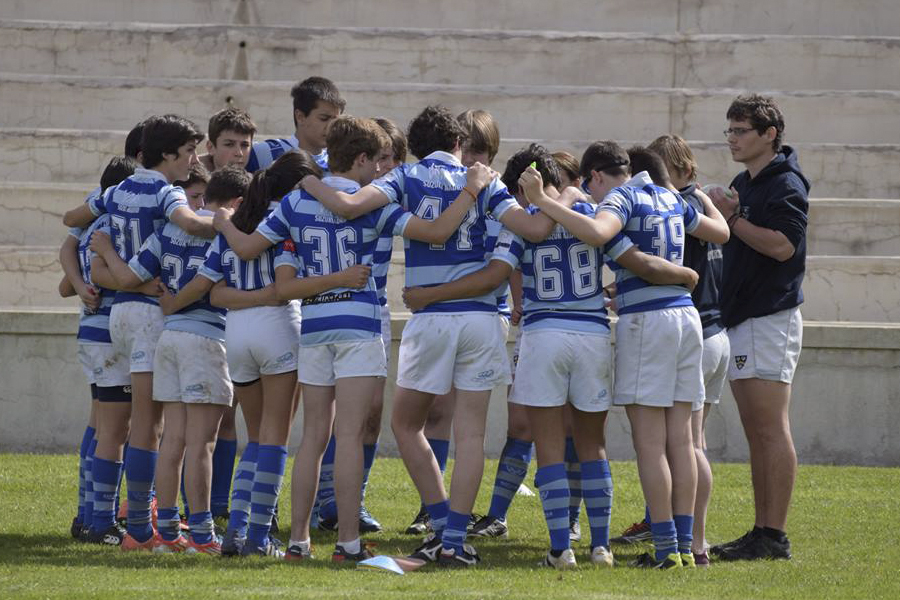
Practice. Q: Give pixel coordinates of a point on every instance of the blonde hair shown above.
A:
(348, 137)
(677, 155)
(484, 136)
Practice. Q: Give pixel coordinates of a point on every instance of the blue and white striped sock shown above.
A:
(325, 496)
(441, 451)
(553, 484)
(454, 535)
(89, 484)
(597, 487)
(140, 470)
(270, 461)
(105, 475)
(168, 523)
(82, 455)
(684, 529)
(239, 517)
(222, 470)
(201, 527)
(511, 472)
(573, 471)
(664, 539)
(438, 512)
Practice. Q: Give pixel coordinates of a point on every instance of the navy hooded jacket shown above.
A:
(754, 285)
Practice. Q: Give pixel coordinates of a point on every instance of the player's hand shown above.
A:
(532, 184)
(270, 296)
(301, 185)
(570, 196)
(690, 278)
(416, 298)
(478, 176)
(100, 243)
(90, 297)
(167, 302)
(221, 217)
(153, 288)
(725, 203)
(516, 315)
(356, 277)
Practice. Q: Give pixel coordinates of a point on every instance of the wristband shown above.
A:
(733, 219)
(466, 190)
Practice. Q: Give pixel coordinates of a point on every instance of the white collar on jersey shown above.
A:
(444, 157)
(639, 180)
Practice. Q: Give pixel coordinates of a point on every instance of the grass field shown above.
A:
(842, 528)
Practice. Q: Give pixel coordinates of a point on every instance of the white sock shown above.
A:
(351, 547)
(304, 544)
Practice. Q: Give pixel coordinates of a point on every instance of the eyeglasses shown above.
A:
(737, 131)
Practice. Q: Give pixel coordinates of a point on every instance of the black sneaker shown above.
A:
(232, 545)
(760, 546)
(429, 551)
(648, 561)
(297, 553)
(270, 549)
(747, 537)
(421, 524)
(340, 555)
(367, 523)
(112, 536)
(574, 530)
(488, 526)
(636, 532)
(273, 528)
(453, 558)
(327, 524)
(76, 528)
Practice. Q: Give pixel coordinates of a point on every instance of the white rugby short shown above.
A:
(103, 366)
(386, 333)
(262, 340)
(715, 367)
(190, 368)
(323, 364)
(766, 347)
(135, 328)
(658, 357)
(441, 351)
(556, 367)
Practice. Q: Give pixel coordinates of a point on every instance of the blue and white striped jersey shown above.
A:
(264, 153)
(321, 243)
(248, 275)
(494, 228)
(561, 279)
(425, 189)
(175, 256)
(93, 327)
(137, 208)
(655, 220)
(381, 263)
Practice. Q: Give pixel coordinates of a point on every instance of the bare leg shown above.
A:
(518, 425)
(352, 398)
(278, 405)
(373, 421)
(171, 455)
(680, 455)
(704, 479)
(250, 398)
(589, 432)
(112, 429)
(410, 412)
(440, 416)
(146, 415)
(546, 424)
(648, 433)
(764, 407)
(203, 423)
(468, 431)
(318, 413)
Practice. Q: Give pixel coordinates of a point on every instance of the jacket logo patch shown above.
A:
(740, 361)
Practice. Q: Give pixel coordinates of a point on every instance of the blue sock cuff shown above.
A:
(663, 528)
(439, 510)
(595, 469)
(683, 523)
(519, 449)
(550, 473)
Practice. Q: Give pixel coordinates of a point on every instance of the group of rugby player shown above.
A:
(255, 276)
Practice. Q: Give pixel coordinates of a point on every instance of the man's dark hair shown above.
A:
(644, 159)
(312, 90)
(273, 183)
(226, 184)
(433, 129)
(761, 112)
(117, 170)
(606, 156)
(518, 162)
(230, 119)
(398, 138)
(133, 140)
(165, 135)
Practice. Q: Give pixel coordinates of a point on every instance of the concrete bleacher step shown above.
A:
(835, 170)
(474, 56)
(836, 288)
(860, 227)
(869, 116)
(828, 17)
